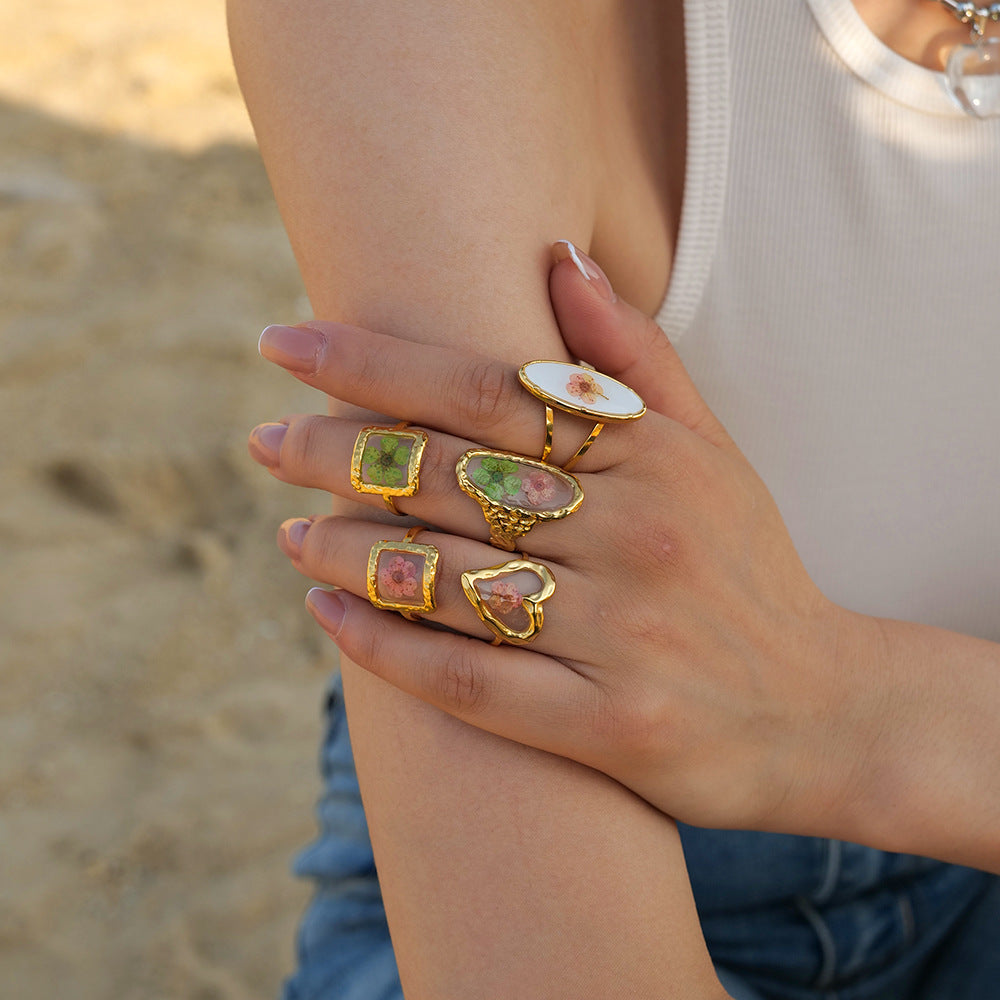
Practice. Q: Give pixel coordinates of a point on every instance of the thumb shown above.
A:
(622, 341)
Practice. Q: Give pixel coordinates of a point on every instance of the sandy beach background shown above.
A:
(160, 680)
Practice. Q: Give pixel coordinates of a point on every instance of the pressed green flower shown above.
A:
(504, 465)
(386, 464)
(495, 478)
(488, 484)
(399, 451)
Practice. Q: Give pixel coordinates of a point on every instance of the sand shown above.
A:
(160, 681)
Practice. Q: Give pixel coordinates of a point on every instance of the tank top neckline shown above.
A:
(869, 58)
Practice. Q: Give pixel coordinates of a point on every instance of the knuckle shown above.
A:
(630, 722)
(369, 650)
(643, 626)
(652, 337)
(484, 392)
(303, 442)
(605, 718)
(650, 542)
(462, 684)
(323, 544)
(368, 374)
(646, 731)
(636, 623)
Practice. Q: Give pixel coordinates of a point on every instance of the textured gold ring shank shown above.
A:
(516, 492)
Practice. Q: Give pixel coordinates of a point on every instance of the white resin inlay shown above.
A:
(581, 390)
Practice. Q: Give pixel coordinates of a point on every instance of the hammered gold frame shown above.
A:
(430, 555)
(507, 522)
(532, 603)
(412, 466)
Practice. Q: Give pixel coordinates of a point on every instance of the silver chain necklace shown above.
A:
(973, 70)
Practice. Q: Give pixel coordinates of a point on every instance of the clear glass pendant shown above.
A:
(973, 73)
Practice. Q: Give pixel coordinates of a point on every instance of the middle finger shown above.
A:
(316, 451)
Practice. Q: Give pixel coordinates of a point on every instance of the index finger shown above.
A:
(464, 394)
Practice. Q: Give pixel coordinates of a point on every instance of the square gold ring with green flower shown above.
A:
(386, 461)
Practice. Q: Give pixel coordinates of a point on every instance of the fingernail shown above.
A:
(328, 610)
(298, 349)
(292, 536)
(265, 443)
(563, 249)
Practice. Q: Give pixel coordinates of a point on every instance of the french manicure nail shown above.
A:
(328, 610)
(296, 348)
(265, 443)
(562, 249)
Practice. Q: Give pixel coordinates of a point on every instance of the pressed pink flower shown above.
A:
(399, 578)
(585, 386)
(539, 487)
(504, 598)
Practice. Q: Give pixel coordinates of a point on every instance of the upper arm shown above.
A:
(424, 156)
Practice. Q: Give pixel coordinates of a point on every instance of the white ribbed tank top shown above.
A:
(836, 298)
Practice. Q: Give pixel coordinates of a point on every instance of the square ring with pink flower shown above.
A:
(401, 576)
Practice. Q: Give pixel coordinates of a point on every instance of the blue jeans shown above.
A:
(785, 918)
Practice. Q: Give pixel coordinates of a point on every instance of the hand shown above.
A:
(686, 652)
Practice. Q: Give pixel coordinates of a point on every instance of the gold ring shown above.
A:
(508, 598)
(386, 461)
(516, 492)
(401, 575)
(582, 392)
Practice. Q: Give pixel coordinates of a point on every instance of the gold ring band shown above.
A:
(515, 492)
(550, 426)
(584, 448)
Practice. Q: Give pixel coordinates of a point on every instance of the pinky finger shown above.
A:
(521, 695)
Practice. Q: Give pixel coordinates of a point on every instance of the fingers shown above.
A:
(335, 550)
(516, 693)
(625, 343)
(466, 395)
(316, 451)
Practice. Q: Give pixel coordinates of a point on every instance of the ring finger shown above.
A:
(335, 550)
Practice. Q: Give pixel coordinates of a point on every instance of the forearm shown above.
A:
(930, 783)
(420, 191)
(507, 872)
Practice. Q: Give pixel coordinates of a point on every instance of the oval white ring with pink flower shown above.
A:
(580, 390)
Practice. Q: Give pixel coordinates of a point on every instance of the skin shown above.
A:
(380, 133)
(513, 872)
(918, 30)
(707, 673)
